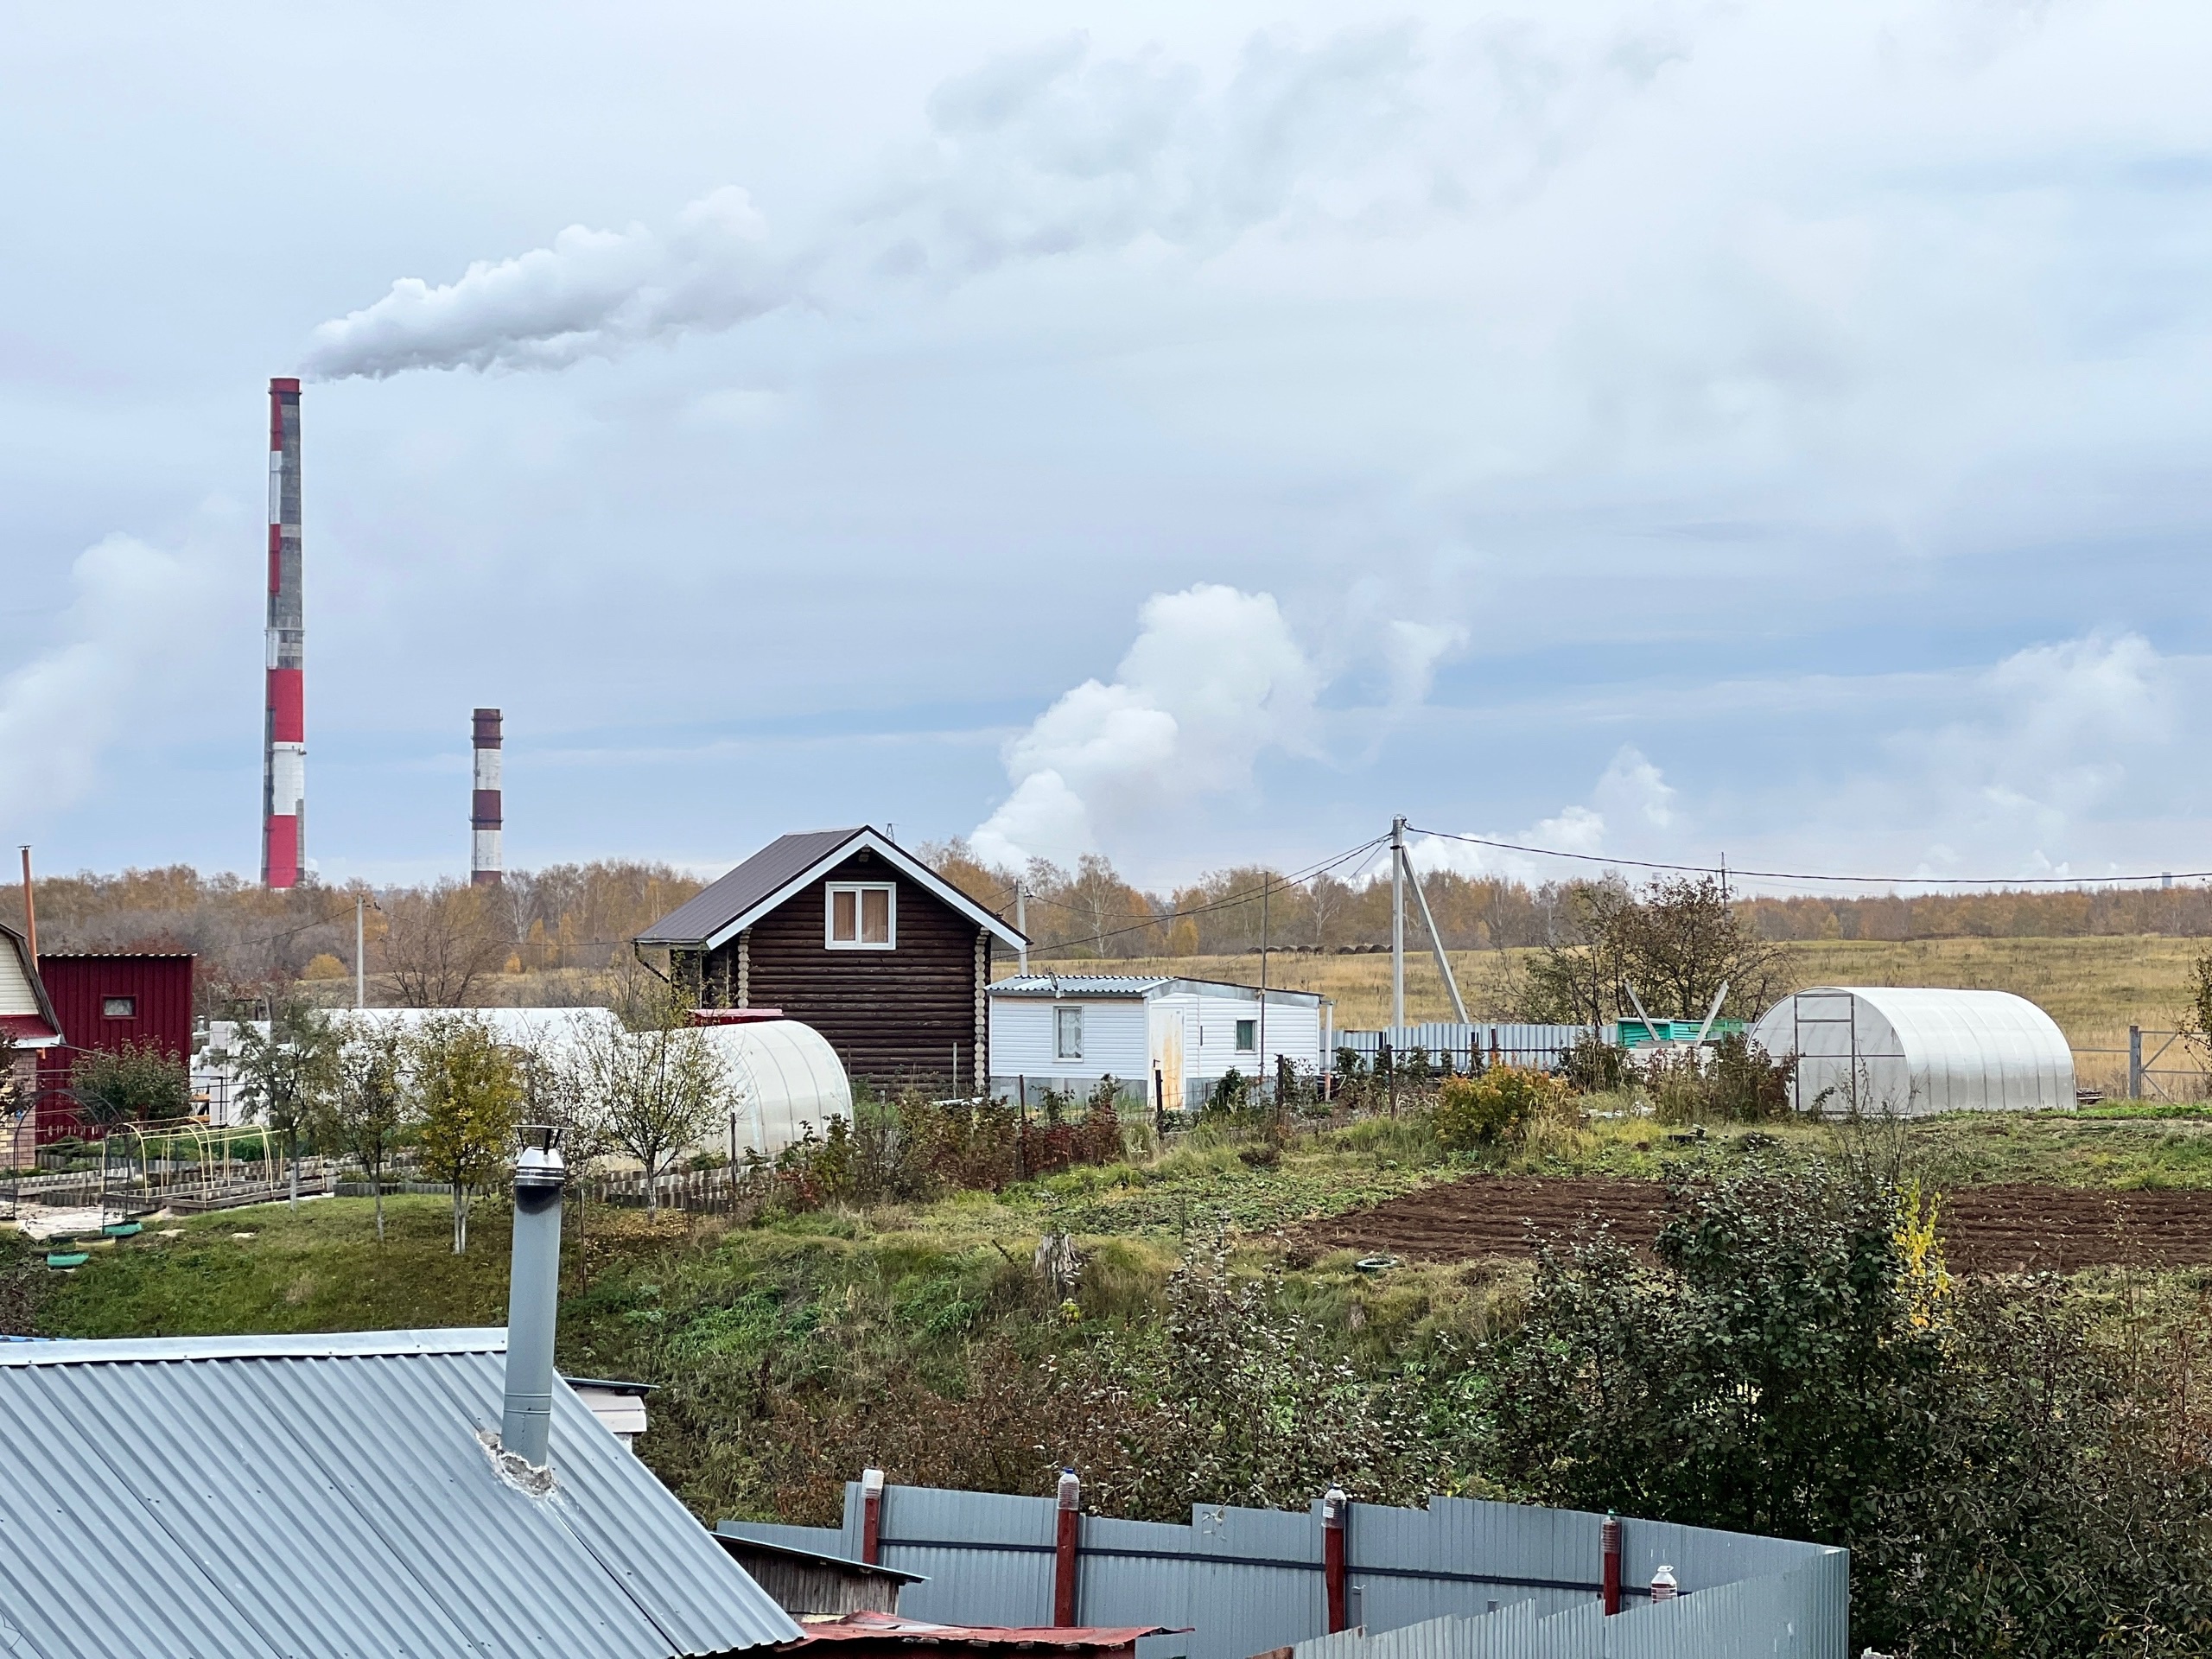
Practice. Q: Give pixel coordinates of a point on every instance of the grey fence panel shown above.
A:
(1268, 1593)
(1130, 1575)
(1462, 1579)
(987, 1557)
(1516, 1044)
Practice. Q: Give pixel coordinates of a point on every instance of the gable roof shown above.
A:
(26, 1012)
(780, 870)
(303, 1496)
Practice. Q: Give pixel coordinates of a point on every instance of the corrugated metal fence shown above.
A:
(1541, 1046)
(1246, 1581)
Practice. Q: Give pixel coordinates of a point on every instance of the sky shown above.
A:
(1770, 431)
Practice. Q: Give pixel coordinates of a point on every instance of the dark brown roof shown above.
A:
(753, 888)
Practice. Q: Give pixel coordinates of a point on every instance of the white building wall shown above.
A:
(1113, 1038)
(1210, 1050)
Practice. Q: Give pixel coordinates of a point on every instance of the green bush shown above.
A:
(1495, 1106)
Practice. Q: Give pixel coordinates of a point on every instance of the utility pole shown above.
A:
(1021, 926)
(1266, 880)
(360, 962)
(1397, 925)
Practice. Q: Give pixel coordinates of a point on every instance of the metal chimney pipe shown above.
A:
(533, 1297)
(485, 819)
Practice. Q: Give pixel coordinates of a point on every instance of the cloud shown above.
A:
(1034, 156)
(136, 612)
(1631, 789)
(1215, 678)
(2042, 746)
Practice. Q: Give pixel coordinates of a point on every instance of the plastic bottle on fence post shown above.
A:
(1664, 1588)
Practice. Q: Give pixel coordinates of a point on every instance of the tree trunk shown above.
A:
(652, 1192)
(460, 1223)
(376, 1192)
(292, 1136)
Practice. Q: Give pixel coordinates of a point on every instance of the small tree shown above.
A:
(469, 1097)
(137, 1082)
(440, 944)
(287, 1074)
(651, 1092)
(369, 1106)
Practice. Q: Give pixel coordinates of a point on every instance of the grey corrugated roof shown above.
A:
(1079, 985)
(701, 922)
(297, 1498)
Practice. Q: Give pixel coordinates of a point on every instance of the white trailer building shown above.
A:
(1170, 1040)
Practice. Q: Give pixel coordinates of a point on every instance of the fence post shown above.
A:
(871, 1515)
(1334, 1505)
(1064, 1556)
(1610, 1583)
(2135, 1062)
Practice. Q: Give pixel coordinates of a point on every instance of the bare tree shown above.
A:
(1678, 943)
(439, 944)
(651, 1092)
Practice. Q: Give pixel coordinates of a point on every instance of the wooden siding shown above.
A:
(891, 1015)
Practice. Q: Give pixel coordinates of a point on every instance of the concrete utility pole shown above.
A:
(1398, 923)
(360, 962)
(1022, 927)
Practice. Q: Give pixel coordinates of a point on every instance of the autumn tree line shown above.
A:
(550, 936)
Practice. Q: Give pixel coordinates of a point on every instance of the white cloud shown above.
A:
(1215, 678)
(1631, 789)
(127, 641)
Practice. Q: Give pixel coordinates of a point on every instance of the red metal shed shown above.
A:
(104, 1002)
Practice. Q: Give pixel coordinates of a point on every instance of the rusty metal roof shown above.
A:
(299, 1497)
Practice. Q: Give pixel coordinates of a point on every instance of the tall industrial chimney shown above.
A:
(284, 748)
(484, 865)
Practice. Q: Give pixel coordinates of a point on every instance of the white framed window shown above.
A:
(1247, 1036)
(861, 916)
(1067, 1034)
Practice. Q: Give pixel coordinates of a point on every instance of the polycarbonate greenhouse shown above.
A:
(786, 1077)
(1913, 1051)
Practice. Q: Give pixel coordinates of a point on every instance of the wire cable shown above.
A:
(1731, 872)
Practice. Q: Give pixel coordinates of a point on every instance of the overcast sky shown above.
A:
(1656, 430)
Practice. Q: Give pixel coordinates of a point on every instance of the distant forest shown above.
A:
(568, 925)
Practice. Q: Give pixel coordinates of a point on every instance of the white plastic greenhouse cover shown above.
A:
(787, 1077)
(1914, 1051)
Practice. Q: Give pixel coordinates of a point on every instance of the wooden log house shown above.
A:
(848, 932)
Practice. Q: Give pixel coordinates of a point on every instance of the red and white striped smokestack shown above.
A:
(484, 806)
(285, 748)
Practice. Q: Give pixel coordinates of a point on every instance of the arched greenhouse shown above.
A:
(1913, 1051)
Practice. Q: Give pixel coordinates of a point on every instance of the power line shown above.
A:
(1794, 875)
(1229, 901)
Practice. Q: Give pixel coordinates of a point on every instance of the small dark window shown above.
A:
(1247, 1036)
(119, 1007)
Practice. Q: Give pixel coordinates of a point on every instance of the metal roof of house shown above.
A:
(255, 1498)
(739, 1535)
(26, 1012)
(1080, 985)
(777, 872)
(892, 1628)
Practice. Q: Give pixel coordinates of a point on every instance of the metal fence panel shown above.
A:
(1461, 1579)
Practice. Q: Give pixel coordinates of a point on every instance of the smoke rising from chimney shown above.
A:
(1046, 153)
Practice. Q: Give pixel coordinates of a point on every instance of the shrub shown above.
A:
(1732, 1082)
(1495, 1106)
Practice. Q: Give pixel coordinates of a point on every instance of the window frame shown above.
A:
(1236, 1035)
(130, 1002)
(1060, 1010)
(830, 891)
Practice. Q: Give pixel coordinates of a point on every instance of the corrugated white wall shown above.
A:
(1113, 1038)
(1210, 1048)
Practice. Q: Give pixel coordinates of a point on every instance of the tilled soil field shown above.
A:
(1998, 1229)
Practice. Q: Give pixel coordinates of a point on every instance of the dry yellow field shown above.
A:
(2093, 988)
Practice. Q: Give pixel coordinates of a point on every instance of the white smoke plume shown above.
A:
(136, 611)
(1052, 152)
(1216, 677)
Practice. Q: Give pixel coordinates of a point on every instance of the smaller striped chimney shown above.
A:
(484, 821)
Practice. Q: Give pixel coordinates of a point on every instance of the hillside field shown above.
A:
(2095, 988)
